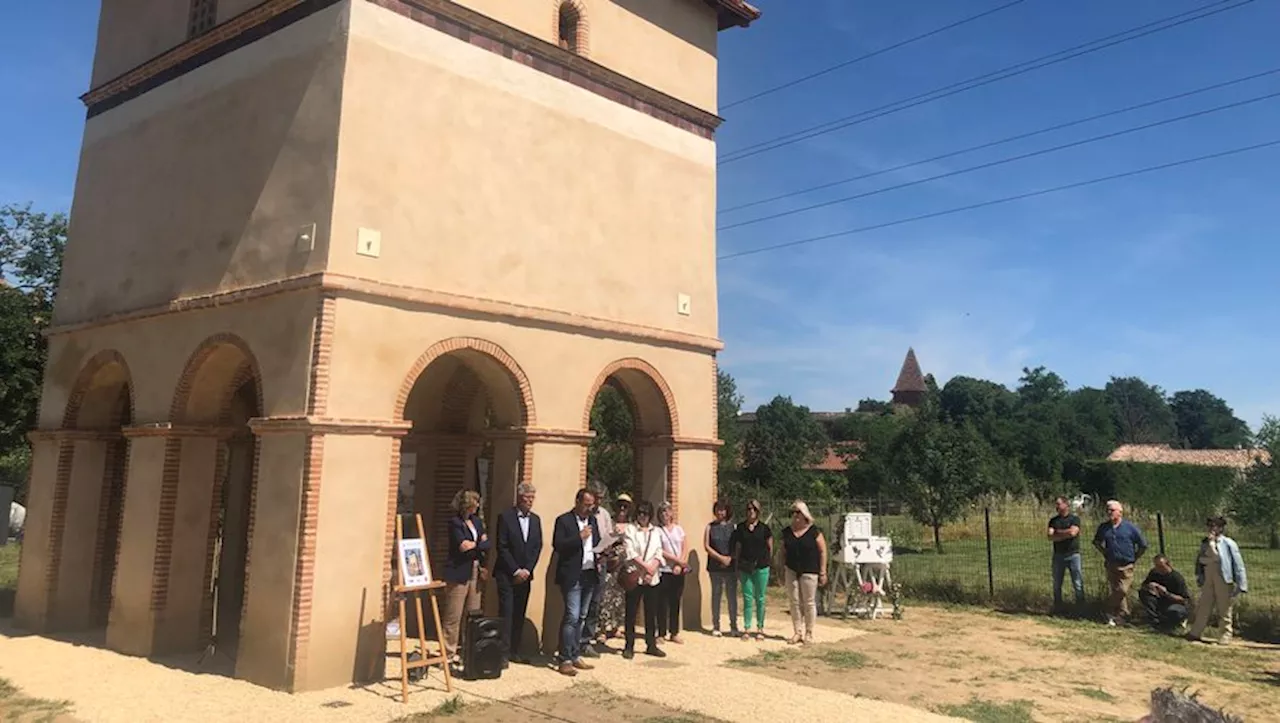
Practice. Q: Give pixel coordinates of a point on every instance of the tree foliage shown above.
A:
(1140, 411)
(1204, 421)
(610, 454)
(1255, 501)
(780, 447)
(729, 406)
(31, 246)
(941, 468)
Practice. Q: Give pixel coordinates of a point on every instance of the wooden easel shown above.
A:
(429, 590)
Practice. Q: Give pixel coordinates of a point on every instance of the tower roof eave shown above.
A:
(734, 13)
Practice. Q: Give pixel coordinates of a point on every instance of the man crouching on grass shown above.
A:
(1165, 596)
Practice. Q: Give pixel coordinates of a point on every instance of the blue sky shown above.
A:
(1167, 276)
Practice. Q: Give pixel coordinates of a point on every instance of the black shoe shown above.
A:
(628, 653)
(589, 651)
(656, 652)
(519, 660)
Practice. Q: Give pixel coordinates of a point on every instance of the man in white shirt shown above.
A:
(574, 540)
(519, 547)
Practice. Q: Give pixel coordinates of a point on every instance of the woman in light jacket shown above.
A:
(1221, 575)
(644, 547)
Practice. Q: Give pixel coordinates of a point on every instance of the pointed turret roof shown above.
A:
(910, 379)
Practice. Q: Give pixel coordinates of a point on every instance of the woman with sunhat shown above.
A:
(614, 603)
(1221, 574)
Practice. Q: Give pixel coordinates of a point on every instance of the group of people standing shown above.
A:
(609, 564)
(1165, 597)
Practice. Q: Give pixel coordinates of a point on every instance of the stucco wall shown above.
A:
(131, 32)
(376, 346)
(625, 35)
(203, 183)
(487, 178)
(278, 330)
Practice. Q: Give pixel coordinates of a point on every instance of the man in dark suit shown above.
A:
(574, 540)
(519, 547)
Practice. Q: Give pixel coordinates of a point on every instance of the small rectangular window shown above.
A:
(203, 18)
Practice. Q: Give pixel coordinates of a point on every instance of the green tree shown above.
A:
(611, 454)
(988, 406)
(866, 443)
(1204, 421)
(940, 469)
(874, 406)
(781, 447)
(1088, 431)
(1140, 412)
(31, 247)
(1255, 500)
(728, 407)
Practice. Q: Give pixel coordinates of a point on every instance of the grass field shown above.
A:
(8, 577)
(1021, 562)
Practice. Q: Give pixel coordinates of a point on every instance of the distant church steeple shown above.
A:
(910, 389)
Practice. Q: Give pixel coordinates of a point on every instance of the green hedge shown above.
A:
(1174, 489)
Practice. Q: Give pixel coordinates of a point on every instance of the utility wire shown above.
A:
(998, 201)
(1002, 141)
(979, 81)
(1003, 161)
(872, 54)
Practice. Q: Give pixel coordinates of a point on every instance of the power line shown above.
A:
(872, 54)
(1003, 161)
(998, 201)
(1002, 141)
(979, 81)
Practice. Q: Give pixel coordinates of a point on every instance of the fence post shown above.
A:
(1160, 531)
(991, 573)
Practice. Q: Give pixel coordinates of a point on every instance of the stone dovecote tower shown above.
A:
(910, 390)
(330, 257)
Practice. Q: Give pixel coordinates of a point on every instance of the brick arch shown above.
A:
(84, 381)
(583, 45)
(644, 416)
(482, 346)
(247, 368)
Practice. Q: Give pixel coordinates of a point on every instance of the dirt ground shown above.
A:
(935, 665)
(987, 666)
(582, 702)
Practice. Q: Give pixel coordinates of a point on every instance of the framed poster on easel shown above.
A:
(413, 578)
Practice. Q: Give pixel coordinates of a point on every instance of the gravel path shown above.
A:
(105, 687)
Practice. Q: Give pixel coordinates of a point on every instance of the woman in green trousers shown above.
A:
(752, 546)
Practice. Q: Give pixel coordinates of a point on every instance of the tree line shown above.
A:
(974, 437)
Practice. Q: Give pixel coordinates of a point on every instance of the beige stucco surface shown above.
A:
(494, 169)
(202, 184)
(278, 330)
(625, 35)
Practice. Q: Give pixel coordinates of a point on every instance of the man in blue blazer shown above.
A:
(574, 539)
(519, 547)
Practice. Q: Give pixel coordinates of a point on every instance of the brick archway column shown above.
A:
(139, 623)
(51, 455)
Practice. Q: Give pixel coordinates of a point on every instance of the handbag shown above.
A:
(629, 574)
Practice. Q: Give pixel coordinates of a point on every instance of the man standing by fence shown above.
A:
(1064, 531)
(1122, 545)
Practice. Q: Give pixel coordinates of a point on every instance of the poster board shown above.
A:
(415, 566)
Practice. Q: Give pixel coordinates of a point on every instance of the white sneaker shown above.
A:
(1111, 622)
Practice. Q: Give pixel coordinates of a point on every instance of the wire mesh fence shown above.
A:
(999, 554)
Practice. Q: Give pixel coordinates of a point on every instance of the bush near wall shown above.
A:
(1184, 490)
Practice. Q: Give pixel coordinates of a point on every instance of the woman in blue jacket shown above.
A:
(468, 544)
(1221, 575)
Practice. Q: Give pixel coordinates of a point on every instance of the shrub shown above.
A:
(1183, 490)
